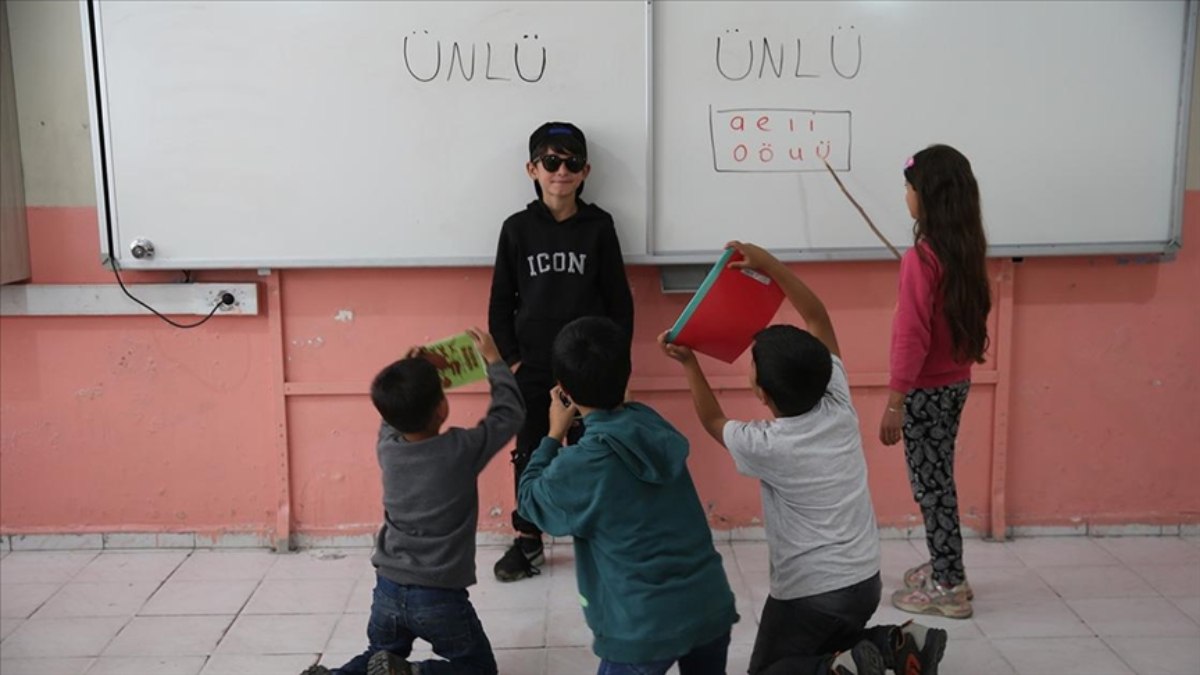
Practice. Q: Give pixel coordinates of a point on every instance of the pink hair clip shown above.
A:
(908, 163)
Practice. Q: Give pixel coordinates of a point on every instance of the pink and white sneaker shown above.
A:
(915, 578)
(933, 598)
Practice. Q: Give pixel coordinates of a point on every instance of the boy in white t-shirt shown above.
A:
(820, 523)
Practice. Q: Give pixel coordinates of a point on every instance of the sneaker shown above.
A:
(915, 578)
(521, 560)
(917, 649)
(933, 598)
(863, 659)
(386, 663)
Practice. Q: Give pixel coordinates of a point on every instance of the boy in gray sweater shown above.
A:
(425, 551)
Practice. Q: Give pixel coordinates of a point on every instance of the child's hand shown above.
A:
(678, 352)
(754, 256)
(486, 345)
(562, 413)
(889, 426)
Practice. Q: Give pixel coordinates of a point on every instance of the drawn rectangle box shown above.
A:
(780, 140)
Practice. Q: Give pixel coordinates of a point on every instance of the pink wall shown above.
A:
(126, 424)
(1106, 388)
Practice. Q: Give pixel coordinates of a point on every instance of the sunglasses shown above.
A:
(552, 162)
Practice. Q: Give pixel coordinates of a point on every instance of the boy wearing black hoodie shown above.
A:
(651, 582)
(557, 260)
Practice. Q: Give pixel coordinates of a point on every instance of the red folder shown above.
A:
(729, 308)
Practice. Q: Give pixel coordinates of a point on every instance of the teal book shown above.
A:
(457, 360)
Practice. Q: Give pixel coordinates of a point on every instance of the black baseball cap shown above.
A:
(561, 134)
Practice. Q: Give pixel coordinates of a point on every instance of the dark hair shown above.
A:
(407, 394)
(561, 137)
(591, 361)
(951, 223)
(792, 367)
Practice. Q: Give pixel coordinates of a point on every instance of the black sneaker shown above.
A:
(386, 663)
(863, 659)
(917, 649)
(521, 560)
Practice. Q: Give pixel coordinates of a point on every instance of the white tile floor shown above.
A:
(1043, 605)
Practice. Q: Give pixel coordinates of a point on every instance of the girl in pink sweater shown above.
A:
(938, 332)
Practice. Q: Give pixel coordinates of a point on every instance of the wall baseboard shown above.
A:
(126, 541)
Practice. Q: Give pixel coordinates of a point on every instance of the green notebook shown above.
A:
(457, 360)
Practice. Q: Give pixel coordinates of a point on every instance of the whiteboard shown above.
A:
(322, 134)
(1073, 115)
(286, 134)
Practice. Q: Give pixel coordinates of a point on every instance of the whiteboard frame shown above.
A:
(1187, 80)
(97, 95)
(93, 59)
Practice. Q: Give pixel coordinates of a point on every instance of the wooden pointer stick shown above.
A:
(860, 210)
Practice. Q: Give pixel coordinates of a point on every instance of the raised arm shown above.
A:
(708, 409)
(798, 293)
(505, 414)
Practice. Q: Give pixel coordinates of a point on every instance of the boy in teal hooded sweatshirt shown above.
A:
(651, 583)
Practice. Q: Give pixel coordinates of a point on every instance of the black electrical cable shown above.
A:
(225, 299)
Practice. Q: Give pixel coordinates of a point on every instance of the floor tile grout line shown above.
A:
(1159, 593)
(43, 603)
(1113, 650)
(1124, 565)
(128, 619)
(138, 612)
(1194, 619)
(238, 614)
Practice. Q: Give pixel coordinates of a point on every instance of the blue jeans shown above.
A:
(707, 659)
(443, 617)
